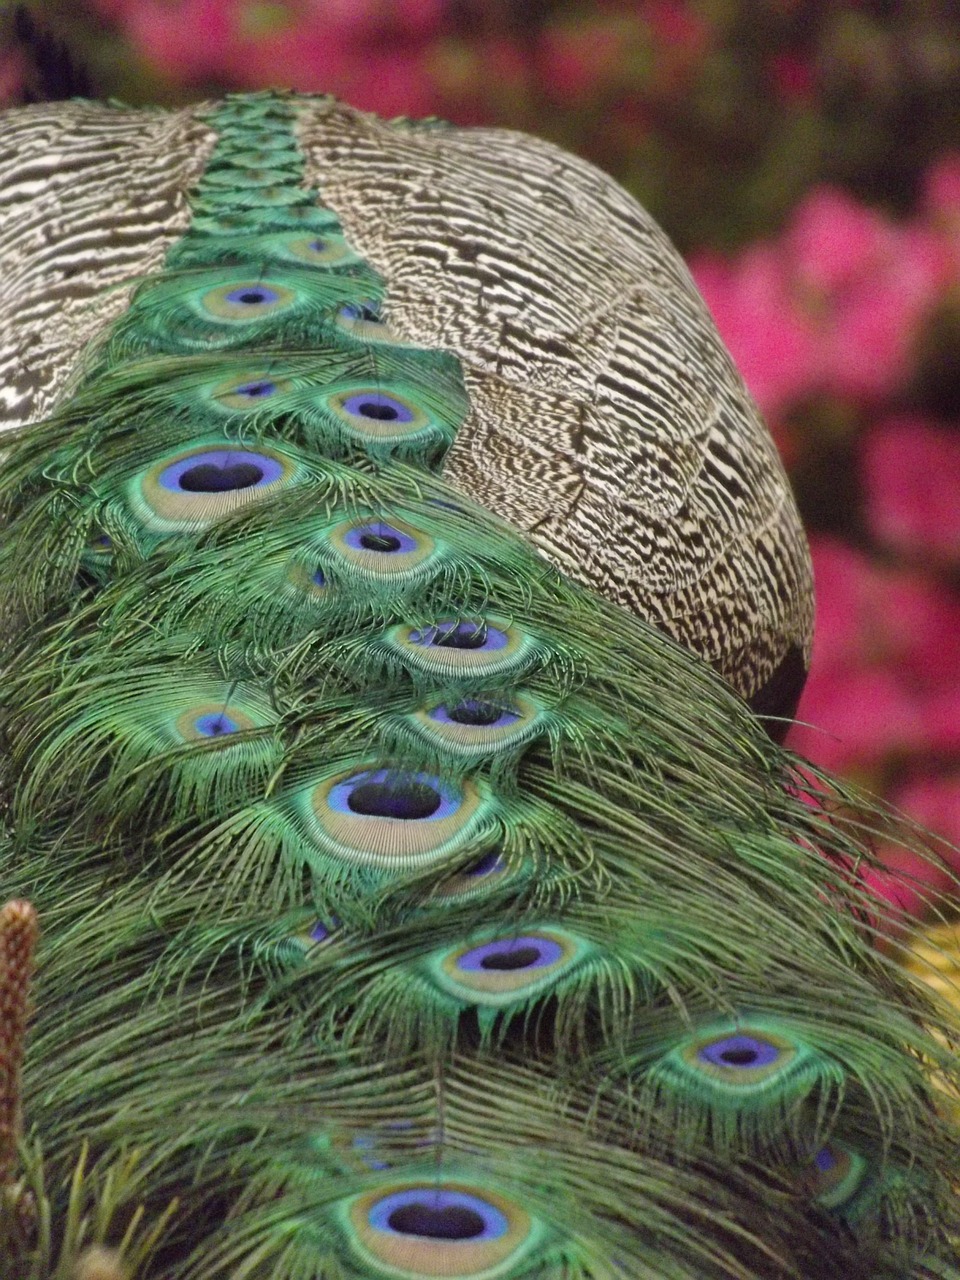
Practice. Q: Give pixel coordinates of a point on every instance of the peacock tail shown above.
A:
(401, 598)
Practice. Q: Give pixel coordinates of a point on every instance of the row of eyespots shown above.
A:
(450, 647)
(438, 1225)
(379, 815)
(204, 484)
(442, 1229)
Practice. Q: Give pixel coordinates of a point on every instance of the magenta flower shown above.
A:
(934, 801)
(911, 478)
(833, 241)
(374, 52)
(835, 307)
(886, 666)
(11, 78)
(941, 200)
(753, 302)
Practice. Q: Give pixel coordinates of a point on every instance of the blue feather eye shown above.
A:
(474, 713)
(220, 471)
(462, 647)
(363, 321)
(382, 538)
(383, 550)
(527, 952)
(478, 726)
(742, 1056)
(205, 483)
(395, 415)
(476, 636)
(381, 795)
(391, 818)
(313, 579)
(245, 301)
(744, 1075)
(434, 1214)
(742, 1059)
(836, 1176)
(439, 1228)
(377, 406)
(249, 392)
(474, 879)
(325, 250)
(508, 968)
(309, 937)
(371, 413)
(215, 724)
(212, 720)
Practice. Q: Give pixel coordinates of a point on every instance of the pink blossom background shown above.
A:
(828, 252)
(835, 310)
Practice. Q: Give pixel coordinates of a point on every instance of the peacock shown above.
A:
(403, 605)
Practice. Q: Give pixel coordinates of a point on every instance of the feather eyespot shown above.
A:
(474, 879)
(747, 1073)
(311, 579)
(396, 416)
(438, 1215)
(245, 301)
(371, 412)
(250, 391)
(203, 484)
(391, 818)
(320, 250)
(480, 725)
(463, 647)
(505, 968)
(215, 725)
(206, 723)
(440, 1228)
(743, 1054)
(836, 1176)
(382, 549)
(364, 321)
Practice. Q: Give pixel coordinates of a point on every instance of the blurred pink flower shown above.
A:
(680, 38)
(870, 345)
(941, 189)
(934, 802)
(187, 40)
(853, 720)
(676, 25)
(832, 240)
(907, 884)
(774, 344)
(911, 477)
(372, 51)
(886, 665)
(11, 78)
(835, 306)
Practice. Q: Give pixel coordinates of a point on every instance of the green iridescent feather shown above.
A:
(412, 910)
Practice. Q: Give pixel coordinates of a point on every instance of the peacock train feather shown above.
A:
(401, 600)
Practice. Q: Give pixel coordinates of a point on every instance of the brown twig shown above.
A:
(18, 937)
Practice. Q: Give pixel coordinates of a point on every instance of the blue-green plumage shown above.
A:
(415, 911)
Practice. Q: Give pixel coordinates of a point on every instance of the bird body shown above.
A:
(394, 564)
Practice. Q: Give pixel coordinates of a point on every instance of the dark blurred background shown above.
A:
(805, 157)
